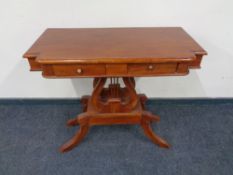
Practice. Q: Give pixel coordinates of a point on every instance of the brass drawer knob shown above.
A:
(79, 71)
(151, 67)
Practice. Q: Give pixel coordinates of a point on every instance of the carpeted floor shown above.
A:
(201, 135)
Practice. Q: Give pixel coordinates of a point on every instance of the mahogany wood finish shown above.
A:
(110, 54)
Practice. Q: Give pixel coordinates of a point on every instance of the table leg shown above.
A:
(147, 118)
(80, 134)
(113, 105)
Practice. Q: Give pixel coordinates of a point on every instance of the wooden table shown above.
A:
(113, 53)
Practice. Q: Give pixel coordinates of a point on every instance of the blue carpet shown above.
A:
(201, 135)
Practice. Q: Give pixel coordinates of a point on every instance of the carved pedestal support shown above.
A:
(113, 105)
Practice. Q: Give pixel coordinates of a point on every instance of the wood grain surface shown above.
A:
(114, 45)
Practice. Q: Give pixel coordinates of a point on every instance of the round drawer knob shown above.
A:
(79, 71)
(151, 67)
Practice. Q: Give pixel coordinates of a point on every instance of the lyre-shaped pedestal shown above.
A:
(113, 105)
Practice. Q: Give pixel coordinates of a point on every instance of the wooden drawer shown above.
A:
(79, 70)
(102, 70)
(152, 69)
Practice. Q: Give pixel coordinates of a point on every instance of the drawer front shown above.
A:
(102, 70)
(116, 69)
(152, 69)
(79, 70)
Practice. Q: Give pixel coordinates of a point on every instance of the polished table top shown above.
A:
(114, 45)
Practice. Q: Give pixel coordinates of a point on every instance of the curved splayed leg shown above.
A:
(146, 125)
(80, 134)
(72, 122)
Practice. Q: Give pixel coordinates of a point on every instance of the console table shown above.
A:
(109, 55)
